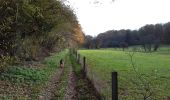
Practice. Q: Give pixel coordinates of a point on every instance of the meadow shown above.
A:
(140, 75)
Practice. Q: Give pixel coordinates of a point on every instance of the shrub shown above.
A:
(5, 61)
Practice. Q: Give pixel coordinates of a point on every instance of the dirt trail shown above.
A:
(84, 87)
(71, 93)
(48, 92)
(78, 87)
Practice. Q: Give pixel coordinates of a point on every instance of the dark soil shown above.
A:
(49, 90)
(71, 93)
(85, 88)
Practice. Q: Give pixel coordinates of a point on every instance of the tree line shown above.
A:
(30, 29)
(150, 37)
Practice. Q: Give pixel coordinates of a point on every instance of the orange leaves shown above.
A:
(78, 34)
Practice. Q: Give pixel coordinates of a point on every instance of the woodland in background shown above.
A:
(31, 29)
(150, 37)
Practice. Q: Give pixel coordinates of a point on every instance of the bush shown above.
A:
(5, 61)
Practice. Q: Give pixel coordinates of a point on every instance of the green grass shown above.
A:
(153, 67)
(19, 74)
(31, 78)
(62, 86)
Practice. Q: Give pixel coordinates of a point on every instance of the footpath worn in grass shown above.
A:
(61, 89)
(84, 87)
(19, 82)
(154, 69)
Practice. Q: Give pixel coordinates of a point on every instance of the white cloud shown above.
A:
(121, 14)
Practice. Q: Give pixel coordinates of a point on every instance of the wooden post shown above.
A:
(78, 59)
(75, 52)
(114, 86)
(84, 64)
(76, 55)
(70, 50)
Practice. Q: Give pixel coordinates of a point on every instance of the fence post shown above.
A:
(71, 51)
(84, 64)
(75, 52)
(114, 86)
(78, 59)
(76, 55)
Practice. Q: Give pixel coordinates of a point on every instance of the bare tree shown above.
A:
(143, 83)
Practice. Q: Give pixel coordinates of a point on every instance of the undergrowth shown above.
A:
(32, 79)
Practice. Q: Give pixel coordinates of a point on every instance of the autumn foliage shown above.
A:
(30, 29)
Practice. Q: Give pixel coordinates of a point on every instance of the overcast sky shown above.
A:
(97, 17)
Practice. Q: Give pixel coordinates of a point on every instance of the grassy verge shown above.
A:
(26, 83)
(62, 86)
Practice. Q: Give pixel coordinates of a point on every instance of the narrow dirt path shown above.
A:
(48, 92)
(84, 88)
(74, 86)
(71, 93)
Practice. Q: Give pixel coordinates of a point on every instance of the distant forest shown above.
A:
(150, 37)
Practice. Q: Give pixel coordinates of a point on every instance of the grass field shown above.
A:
(148, 78)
